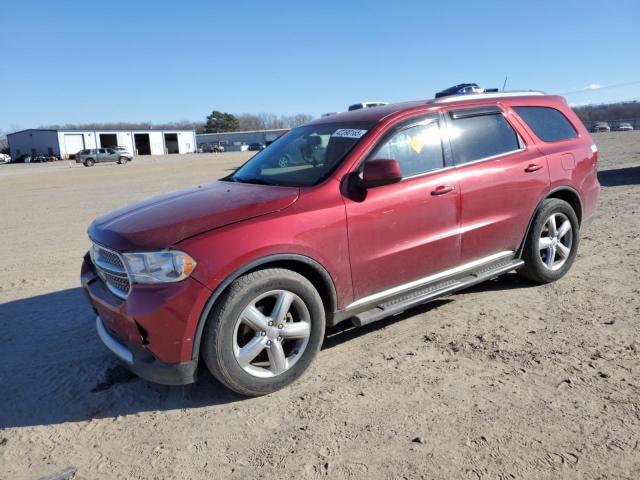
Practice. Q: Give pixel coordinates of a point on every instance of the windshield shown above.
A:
(305, 156)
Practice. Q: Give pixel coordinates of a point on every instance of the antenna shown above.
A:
(505, 83)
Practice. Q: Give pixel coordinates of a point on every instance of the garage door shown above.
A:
(73, 143)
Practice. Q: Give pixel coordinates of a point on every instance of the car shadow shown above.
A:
(54, 368)
(346, 331)
(619, 177)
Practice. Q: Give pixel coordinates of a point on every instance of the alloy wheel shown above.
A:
(271, 333)
(556, 241)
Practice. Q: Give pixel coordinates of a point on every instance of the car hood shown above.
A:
(161, 222)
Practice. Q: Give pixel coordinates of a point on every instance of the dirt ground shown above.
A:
(507, 380)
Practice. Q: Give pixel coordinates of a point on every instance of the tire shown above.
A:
(548, 257)
(284, 161)
(234, 332)
(123, 160)
(89, 162)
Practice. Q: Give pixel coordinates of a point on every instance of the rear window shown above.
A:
(548, 124)
(477, 137)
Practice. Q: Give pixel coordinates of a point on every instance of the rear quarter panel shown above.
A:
(573, 162)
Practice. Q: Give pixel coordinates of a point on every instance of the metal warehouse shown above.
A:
(65, 143)
(238, 140)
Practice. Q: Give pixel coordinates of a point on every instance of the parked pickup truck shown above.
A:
(92, 156)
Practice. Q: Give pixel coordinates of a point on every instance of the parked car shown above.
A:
(309, 150)
(624, 127)
(24, 158)
(601, 127)
(241, 276)
(91, 156)
(358, 106)
(4, 158)
(256, 147)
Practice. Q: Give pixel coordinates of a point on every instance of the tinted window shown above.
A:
(417, 148)
(548, 124)
(474, 138)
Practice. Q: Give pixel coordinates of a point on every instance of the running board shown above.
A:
(445, 287)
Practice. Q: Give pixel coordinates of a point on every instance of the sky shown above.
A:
(160, 61)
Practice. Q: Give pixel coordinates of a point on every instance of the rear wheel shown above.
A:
(89, 162)
(552, 243)
(264, 331)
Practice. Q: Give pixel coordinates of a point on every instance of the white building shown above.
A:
(65, 143)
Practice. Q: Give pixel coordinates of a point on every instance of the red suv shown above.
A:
(392, 207)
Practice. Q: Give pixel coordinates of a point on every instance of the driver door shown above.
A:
(403, 232)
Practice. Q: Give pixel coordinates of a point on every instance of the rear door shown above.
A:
(502, 177)
(405, 231)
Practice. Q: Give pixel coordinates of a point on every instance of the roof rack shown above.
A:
(476, 96)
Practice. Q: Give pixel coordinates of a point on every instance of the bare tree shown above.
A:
(249, 121)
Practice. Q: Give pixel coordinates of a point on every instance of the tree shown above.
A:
(248, 121)
(221, 122)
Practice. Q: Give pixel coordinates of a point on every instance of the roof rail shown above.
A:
(476, 96)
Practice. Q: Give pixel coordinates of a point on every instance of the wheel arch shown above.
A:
(564, 192)
(305, 266)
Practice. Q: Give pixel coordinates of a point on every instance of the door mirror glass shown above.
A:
(380, 172)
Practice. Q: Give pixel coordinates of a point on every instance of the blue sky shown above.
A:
(74, 62)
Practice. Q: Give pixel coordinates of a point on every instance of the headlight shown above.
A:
(159, 267)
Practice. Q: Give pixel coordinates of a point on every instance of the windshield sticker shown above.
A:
(349, 133)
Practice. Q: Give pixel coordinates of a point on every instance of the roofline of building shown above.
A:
(102, 130)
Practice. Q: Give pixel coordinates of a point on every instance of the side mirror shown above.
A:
(380, 172)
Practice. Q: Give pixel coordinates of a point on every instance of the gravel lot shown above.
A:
(507, 380)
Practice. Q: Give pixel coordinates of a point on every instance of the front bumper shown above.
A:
(151, 331)
(144, 364)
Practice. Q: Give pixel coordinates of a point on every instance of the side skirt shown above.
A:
(436, 289)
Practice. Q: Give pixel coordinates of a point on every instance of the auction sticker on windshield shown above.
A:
(349, 133)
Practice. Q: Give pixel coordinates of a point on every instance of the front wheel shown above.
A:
(89, 162)
(264, 331)
(552, 243)
(123, 160)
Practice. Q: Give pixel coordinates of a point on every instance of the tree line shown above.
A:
(609, 111)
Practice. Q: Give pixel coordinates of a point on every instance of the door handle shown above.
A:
(534, 167)
(442, 189)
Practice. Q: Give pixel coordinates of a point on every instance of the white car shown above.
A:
(625, 127)
(4, 158)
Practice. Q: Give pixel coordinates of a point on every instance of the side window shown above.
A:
(548, 124)
(417, 148)
(102, 150)
(474, 137)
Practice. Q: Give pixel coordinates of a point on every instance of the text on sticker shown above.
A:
(349, 133)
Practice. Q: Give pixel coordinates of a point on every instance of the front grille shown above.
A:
(111, 270)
